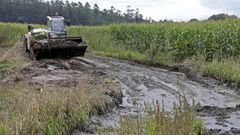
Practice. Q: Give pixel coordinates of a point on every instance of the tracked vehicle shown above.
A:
(53, 41)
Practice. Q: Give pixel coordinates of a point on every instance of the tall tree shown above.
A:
(35, 11)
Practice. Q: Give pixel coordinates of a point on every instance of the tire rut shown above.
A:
(142, 84)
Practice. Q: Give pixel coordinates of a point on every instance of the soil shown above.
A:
(218, 106)
(3, 50)
(134, 86)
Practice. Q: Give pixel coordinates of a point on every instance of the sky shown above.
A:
(178, 10)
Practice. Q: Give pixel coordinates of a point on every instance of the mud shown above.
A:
(218, 106)
(65, 74)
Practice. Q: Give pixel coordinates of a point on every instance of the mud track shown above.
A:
(217, 106)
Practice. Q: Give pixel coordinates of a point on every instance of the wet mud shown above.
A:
(218, 106)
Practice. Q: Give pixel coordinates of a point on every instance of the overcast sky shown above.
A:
(173, 9)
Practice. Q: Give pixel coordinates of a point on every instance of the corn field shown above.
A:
(215, 39)
(10, 33)
(152, 42)
(162, 43)
(178, 41)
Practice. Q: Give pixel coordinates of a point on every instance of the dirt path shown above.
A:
(218, 106)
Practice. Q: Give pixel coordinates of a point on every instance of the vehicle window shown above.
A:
(58, 25)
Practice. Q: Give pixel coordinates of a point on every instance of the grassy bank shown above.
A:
(227, 70)
(169, 43)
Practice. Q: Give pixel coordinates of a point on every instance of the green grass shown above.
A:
(49, 110)
(7, 65)
(227, 70)
(158, 122)
(11, 63)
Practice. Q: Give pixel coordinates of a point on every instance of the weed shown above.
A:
(51, 111)
(159, 122)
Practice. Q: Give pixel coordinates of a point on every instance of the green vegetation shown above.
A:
(168, 43)
(44, 110)
(11, 33)
(217, 40)
(226, 70)
(221, 16)
(158, 122)
(212, 47)
(55, 110)
(11, 64)
(160, 43)
(7, 65)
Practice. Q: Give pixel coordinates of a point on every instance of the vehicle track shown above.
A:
(217, 105)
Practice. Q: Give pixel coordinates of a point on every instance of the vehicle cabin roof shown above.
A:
(55, 17)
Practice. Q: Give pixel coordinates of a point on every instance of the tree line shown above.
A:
(35, 11)
(217, 17)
